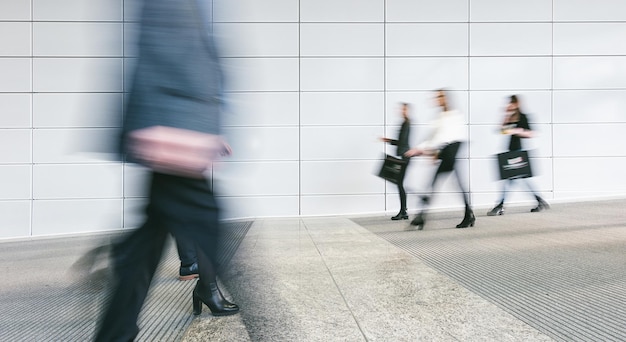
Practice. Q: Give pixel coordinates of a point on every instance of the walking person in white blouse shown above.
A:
(444, 143)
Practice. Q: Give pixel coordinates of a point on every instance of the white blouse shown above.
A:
(449, 127)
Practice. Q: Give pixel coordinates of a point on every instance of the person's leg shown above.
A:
(420, 218)
(468, 219)
(461, 185)
(211, 261)
(541, 204)
(188, 258)
(499, 208)
(195, 217)
(135, 260)
(402, 215)
(451, 153)
(203, 229)
(506, 185)
(425, 199)
(186, 251)
(448, 163)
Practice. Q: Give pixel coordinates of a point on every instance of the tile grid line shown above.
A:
(32, 123)
(552, 101)
(332, 277)
(385, 192)
(123, 111)
(299, 107)
(73, 21)
(469, 99)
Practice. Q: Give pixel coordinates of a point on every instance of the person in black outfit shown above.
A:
(177, 84)
(402, 144)
(449, 132)
(516, 125)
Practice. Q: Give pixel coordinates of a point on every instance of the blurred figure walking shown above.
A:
(172, 126)
(516, 125)
(448, 135)
(403, 146)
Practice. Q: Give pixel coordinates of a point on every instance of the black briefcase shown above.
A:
(391, 169)
(514, 164)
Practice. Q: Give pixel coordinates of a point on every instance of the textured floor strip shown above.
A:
(44, 299)
(562, 271)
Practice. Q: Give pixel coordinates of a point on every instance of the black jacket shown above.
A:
(403, 139)
(516, 142)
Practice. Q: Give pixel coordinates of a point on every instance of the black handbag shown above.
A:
(391, 169)
(514, 164)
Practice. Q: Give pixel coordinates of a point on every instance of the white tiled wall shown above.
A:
(60, 101)
(511, 11)
(312, 85)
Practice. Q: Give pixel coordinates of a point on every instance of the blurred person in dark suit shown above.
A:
(443, 145)
(174, 103)
(403, 146)
(516, 126)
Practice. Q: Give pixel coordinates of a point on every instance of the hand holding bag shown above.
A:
(514, 164)
(176, 151)
(391, 169)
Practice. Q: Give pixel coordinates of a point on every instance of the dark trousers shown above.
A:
(401, 190)
(187, 209)
(447, 155)
(186, 251)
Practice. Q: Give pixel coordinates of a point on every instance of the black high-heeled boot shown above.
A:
(402, 215)
(419, 221)
(213, 298)
(468, 220)
(541, 205)
(497, 210)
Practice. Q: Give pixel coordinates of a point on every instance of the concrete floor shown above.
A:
(556, 275)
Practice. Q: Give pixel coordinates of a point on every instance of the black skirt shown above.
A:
(447, 155)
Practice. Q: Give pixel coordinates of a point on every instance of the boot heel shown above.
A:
(213, 299)
(402, 215)
(468, 220)
(197, 304)
(496, 211)
(419, 221)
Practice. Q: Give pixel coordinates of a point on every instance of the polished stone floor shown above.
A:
(556, 275)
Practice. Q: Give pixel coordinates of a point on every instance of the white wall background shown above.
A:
(313, 84)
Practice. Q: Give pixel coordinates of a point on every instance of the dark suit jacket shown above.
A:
(402, 142)
(177, 80)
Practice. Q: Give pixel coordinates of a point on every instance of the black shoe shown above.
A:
(468, 220)
(188, 272)
(542, 205)
(402, 215)
(418, 221)
(497, 210)
(213, 298)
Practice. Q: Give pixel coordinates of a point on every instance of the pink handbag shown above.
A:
(176, 151)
